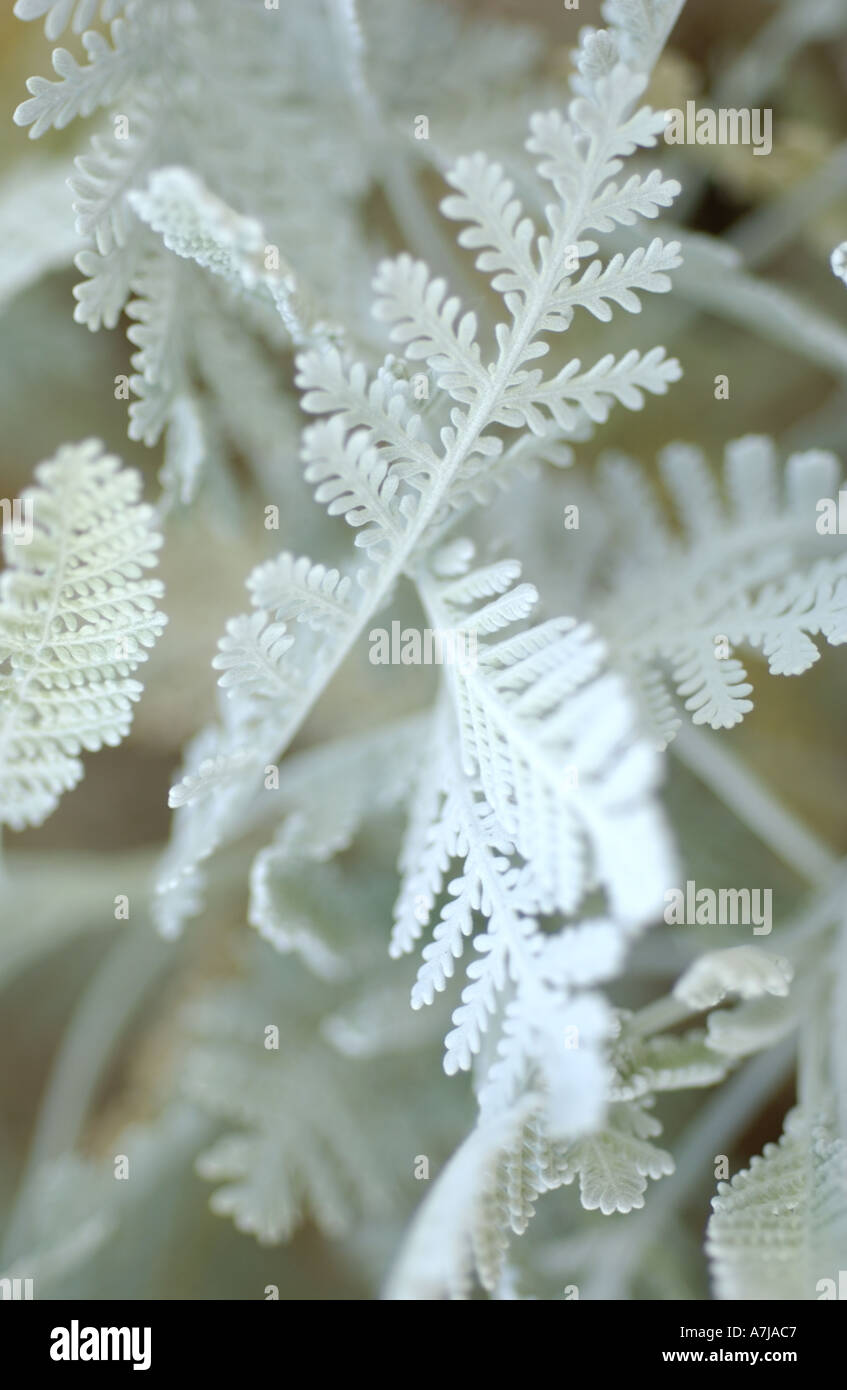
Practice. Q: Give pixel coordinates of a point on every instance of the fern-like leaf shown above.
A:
(81, 89)
(780, 1227)
(58, 14)
(77, 613)
(752, 569)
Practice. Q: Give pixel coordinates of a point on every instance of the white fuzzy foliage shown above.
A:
(376, 460)
(780, 1227)
(535, 851)
(751, 1026)
(540, 786)
(77, 613)
(295, 588)
(78, 1209)
(36, 230)
(111, 66)
(488, 1192)
(743, 970)
(282, 1161)
(102, 180)
(614, 1163)
(302, 1136)
(670, 1062)
(457, 1231)
(200, 227)
(58, 14)
(640, 27)
(752, 569)
(304, 86)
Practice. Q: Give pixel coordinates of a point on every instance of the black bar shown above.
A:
(219, 1338)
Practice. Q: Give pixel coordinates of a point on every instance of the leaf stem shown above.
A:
(128, 972)
(754, 803)
(713, 1131)
(662, 1013)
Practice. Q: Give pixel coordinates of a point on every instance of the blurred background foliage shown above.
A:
(56, 384)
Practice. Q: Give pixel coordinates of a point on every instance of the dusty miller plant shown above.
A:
(432, 373)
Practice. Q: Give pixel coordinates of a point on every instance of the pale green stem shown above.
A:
(775, 225)
(762, 65)
(421, 229)
(711, 1133)
(754, 803)
(712, 280)
(763, 308)
(837, 1017)
(663, 34)
(813, 1052)
(35, 926)
(662, 1013)
(128, 972)
(187, 1130)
